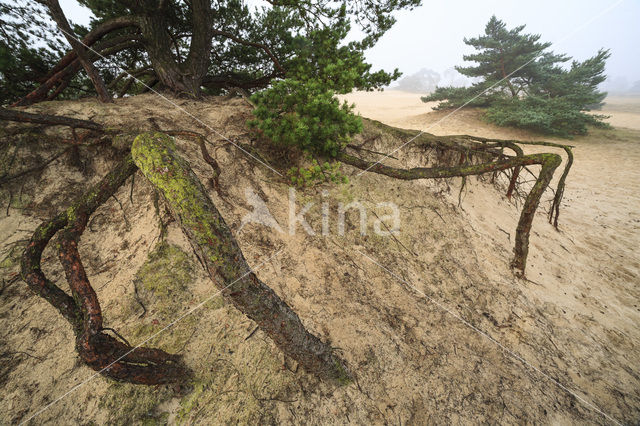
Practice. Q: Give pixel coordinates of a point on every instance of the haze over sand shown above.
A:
(405, 109)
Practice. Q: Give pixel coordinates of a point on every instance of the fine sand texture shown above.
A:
(433, 323)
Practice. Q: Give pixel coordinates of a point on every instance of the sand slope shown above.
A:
(576, 320)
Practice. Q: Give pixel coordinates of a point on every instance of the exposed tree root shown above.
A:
(98, 350)
(155, 154)
(477, 144)
(35, 278)
(554, 211)
(549, 163)
(489, 152)
(201, 139)
(52, 120)
(5, 179)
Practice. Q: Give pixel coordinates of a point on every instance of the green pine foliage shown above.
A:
(315, 173)
(302, 111)
(553, 116)
(22, 64)
(306, 115)
(523, 84)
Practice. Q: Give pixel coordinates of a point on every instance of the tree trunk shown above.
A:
(185, 78)
(58, 15)
(504, 75)
(156, 156)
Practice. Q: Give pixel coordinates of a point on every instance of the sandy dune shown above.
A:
(405, 109)
(588, 274)
(575, 321)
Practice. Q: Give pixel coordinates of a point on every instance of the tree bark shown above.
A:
(35, 278)
(182, 78)
(92, 37)
(523, 230)
(81, 51)
(156, 156)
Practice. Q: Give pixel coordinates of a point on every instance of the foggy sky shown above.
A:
(432, 36)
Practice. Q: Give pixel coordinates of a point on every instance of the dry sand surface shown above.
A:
(456, 339)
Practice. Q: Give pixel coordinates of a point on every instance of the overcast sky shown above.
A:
(431, 35)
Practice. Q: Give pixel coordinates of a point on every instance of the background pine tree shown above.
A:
(525, 85)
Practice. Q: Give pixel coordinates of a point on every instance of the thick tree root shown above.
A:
(477, 144)
(549, 163)
(156, 156)
(98, 350)
(35, 278)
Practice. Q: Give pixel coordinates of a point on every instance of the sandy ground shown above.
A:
(423, 348)
(405, 109)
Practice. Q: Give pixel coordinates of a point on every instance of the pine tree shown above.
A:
(204, 47)
(525, 85)
(21, 64)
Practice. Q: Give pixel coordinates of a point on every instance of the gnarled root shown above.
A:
(549, 163)
(156, 156)
(98, 350)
